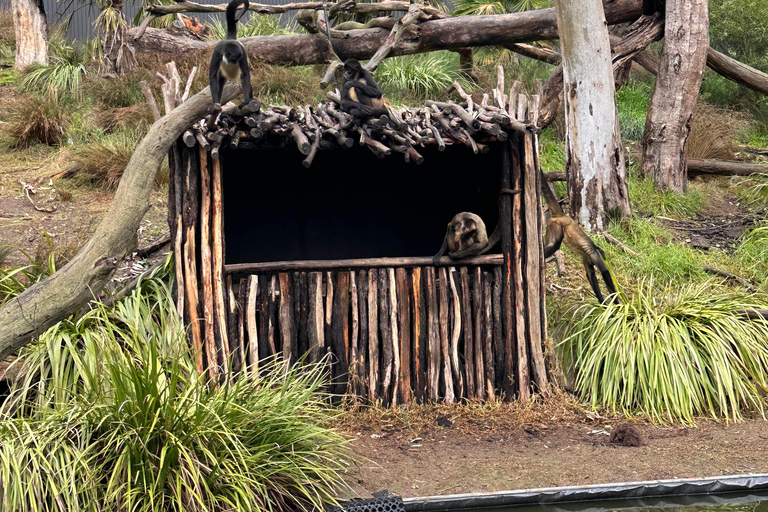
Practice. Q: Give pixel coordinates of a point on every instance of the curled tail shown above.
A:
(232, 16)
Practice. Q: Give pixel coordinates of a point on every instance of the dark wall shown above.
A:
(350, 204)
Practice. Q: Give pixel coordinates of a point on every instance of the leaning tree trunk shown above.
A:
(594, 160)
(31, 26)
(69, 289)
(686, 41)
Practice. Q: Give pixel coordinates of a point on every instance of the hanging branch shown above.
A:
(414, 13)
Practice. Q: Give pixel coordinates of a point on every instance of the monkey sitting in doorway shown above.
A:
(561, 228)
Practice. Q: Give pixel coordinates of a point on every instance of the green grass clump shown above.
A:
(101, 163)
(63, 76)
(753, 253)
(646, 197)
(256, 25)
(685, 353)
(551, 151)
(426, 75)
(633, 101)
(112, 415)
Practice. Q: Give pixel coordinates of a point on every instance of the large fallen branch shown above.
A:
(700, 168)
(737, 71)
(81, 280)
(441, 34)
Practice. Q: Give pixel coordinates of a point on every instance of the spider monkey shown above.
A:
(229, 60)
(652, 6)
(360, 94)
(467, 235)
(562, 228)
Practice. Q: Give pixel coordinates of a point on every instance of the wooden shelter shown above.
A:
(303, 233)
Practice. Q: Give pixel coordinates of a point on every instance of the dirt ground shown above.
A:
(473, 456)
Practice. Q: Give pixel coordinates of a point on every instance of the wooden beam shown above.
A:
(364, 263)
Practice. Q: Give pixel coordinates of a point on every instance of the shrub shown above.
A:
(112, 415)
(425, 75)
(633, 101)
(686, 353)
(713, 132)
(646, 197)
(38, 120)
(63, 76)
(103, 162)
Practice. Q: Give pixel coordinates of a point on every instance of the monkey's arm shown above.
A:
(553, 238)
(474, 250)
(245, 80)
(371, 91)
(214, 81)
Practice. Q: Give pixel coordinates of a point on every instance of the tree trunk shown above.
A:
(69, 289)
(443, 34)
(594, 158)
(31, 26)
(686, 41)
(117, 56)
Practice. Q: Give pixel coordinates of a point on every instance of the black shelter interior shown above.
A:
(350, 204)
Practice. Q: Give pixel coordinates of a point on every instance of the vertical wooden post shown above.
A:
(316, 328)
(189, 219)
(286, 318)
(373, 334)
(445, 342)
(433, 338)
(469, 344)
(220, 301)
(404, 329)
(362, 288)
(386, 335)
(206, 266)
(419, 336)
(477, 310)
(393, 309)
(456, 335)
(509, 162)
(340, 333)
(250, 322)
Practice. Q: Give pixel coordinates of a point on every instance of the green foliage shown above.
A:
(739, 28)
(551, 151)
(286, 85)
(42, 264)
(753, 253)
(118, 92)
(9, 76)
(425, 75)
(63, 76)
(112, 415)
(256, 25)
(633, 101)
(683, 354)
(468, 7)
(646, 197)
(754, 189)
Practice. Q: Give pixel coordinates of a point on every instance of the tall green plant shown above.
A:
(684, 353)
(112, 415)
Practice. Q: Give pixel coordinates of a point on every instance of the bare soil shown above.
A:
(475, 457)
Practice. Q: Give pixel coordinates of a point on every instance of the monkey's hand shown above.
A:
(216, 108)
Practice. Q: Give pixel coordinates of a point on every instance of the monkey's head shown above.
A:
(352, 69)
(464, 227)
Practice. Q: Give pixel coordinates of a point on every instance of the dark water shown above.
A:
(704, 503)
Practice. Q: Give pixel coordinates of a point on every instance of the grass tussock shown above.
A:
(280, 85)
(713, 132)
(111, 414)
(646, 197)
(427, 75)
(38, 120)
(684, 353)
(40, 264)
(113, 119)
(102, 163)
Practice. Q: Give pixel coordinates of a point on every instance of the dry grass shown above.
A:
(38, 120)
(7, 32)
(557, 406)
(112, 119)
(100, 163)
(713, 132)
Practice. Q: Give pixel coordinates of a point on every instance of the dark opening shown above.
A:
(350, 204)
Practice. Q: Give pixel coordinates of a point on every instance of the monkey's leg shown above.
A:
(215, 80)
(607, 277)
(245, 81)
(441, 252)
(592, 277)
(553, 238)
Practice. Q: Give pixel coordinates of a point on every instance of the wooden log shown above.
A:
(189, 219)
(362, 353)
(404, 329)
(272, 316)
(519, 305)
(498, 334)
(237, 312)
(286, 318)
(360, 263)
(490, 373)
(206, 268)
(469, 345)
(217, 233)
(509, 162)
(386, 336)
(373, 335)
(419, 336)
(722, 168)
(354, 361)
(393, 309)
(445, 343)
(263, 309)
(178, 236)
(340, 334)
(534, 256)
(737, 71)
(433, 338)
(250, 322)
(300, 311)
(456, 335)
(477, 316)
(316, 329)
(329, 291)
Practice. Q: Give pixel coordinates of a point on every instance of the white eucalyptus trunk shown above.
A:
(597, 176)
(31, 27)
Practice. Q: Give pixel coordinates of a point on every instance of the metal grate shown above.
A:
(388, 503)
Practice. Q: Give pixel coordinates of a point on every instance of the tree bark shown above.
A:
(449, 33)
(737, 71)
(31, 27)
(594, 156)
(686, 41)
(79, 281)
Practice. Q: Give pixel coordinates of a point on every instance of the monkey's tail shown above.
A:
(232, 18)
